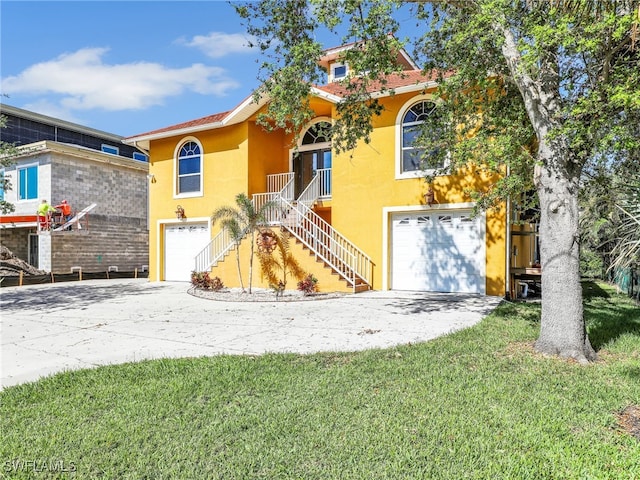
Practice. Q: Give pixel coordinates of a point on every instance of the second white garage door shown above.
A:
(438, 252)
(181, 245)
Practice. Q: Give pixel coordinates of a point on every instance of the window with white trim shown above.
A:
(189, 169)
(413, 159)
(338, 71)
(27, 182)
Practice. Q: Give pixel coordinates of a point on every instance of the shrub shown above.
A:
(308, 285)
(204, 281)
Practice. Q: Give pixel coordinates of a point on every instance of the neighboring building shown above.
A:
(112, 235)
(24, 127)
(364, 213)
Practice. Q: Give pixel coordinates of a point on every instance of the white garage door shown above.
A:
(181, 245)
(438, 252)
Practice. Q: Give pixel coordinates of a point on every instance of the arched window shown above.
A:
(412, 154)
(189, 168)
(317, 133)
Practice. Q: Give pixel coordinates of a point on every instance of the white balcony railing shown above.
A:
(319, 187)
(276, 183)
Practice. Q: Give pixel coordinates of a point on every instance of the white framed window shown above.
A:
(411, 158)
(338, 71)
(110, 149)
(140, 156)
(188, 168)
(27, 182)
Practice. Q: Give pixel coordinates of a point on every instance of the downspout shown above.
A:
(508, 249)
(146, 152)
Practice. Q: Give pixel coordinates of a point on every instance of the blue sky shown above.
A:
(126, 67)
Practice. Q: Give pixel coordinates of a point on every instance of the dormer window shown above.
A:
(338, 72)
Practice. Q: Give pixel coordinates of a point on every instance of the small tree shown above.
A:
(242, 220)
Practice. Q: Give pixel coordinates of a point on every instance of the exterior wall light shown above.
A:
(429, 197)
(180, 215)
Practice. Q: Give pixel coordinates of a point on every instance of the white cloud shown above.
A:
(84, 81)
(219, 44)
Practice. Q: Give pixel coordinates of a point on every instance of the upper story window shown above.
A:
(27, 182)
(189, 168)
(140, 156)
(338, 71)
(110, 149)
(412, 158)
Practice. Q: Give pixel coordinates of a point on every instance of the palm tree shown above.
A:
(242, 220)
(626, 252)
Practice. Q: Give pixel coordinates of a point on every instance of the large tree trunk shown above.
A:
(562, 326)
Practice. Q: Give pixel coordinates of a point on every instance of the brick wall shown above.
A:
(109, 241)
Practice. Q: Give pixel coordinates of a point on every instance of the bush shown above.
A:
(308, 285)
(204, 281)
(591, 264)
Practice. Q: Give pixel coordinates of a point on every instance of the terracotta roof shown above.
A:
(215, 118)
(394, 81)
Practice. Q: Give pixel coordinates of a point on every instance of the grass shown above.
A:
(476, 404)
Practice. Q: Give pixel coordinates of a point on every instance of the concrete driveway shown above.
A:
(51, 328)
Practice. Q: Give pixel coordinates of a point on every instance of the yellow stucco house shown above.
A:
(361, 219)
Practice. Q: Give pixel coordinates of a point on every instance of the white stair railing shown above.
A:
(320, 237)
(214, 251)
(311, 193)
(327, 243)
(222, 244)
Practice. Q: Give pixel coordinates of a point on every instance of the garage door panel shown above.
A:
(182, 243)
(438, 251)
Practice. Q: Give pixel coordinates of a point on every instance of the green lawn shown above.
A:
(475, 404)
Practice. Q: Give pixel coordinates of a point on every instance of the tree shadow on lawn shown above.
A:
(607, 320)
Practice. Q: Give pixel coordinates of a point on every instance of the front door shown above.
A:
(305, 165)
